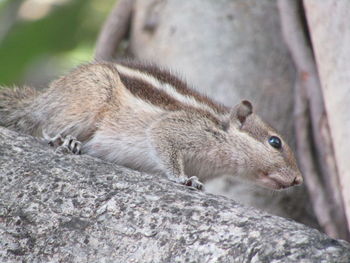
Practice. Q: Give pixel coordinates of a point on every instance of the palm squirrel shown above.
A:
(145, 118)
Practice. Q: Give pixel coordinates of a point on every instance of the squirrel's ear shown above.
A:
(241, 111)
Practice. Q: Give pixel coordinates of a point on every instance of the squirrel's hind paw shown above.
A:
(191, 182)
(68, 144)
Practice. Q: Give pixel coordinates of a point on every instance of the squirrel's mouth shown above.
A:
(268, 181)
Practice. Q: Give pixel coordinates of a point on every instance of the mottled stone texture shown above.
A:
(65, 208)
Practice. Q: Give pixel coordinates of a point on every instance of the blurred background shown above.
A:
(40, 39)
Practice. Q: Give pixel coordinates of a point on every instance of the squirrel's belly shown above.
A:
(133, 151)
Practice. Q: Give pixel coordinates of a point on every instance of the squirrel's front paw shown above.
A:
(68, 144)
(192, 182)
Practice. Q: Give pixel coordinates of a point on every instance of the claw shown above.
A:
(55, 141)
(192, 182)
(68, 144)
(72, 144)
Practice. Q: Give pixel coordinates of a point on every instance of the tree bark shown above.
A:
(312, 129)
(328, 22)
(67, 208)
(114, 30)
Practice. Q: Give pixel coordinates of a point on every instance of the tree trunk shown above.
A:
(68, 208)
(329, 27)
(314, 144)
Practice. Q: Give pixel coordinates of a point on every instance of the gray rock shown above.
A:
(66, 208)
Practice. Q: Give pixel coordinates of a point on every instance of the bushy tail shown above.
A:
(13, 102)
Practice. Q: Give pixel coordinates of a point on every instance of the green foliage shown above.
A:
(67, 28)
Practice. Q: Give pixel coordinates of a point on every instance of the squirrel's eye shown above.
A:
(275, 142)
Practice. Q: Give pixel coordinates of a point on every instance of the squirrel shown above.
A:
(143, 117)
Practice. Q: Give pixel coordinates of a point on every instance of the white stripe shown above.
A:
(166, 87)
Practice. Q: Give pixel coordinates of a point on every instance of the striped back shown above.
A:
(163, 89)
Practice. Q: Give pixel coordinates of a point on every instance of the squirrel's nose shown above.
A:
(297, 180)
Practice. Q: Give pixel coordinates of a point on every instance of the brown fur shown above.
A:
(128, 121)
(159, 98)
(181, 86)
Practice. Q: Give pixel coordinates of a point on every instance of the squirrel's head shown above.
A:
(266, 157)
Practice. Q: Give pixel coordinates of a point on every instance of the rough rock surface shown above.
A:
(65, 208)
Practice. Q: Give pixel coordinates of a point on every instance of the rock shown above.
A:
(68, 208)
